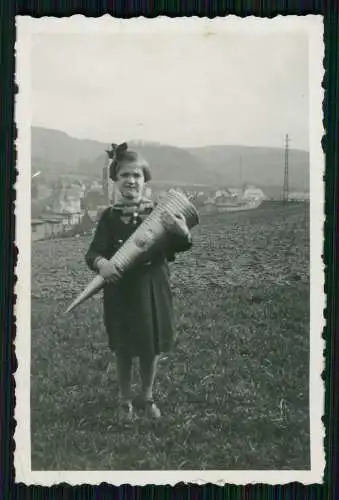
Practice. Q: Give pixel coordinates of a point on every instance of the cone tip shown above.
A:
(69, 309)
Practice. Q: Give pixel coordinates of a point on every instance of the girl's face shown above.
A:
(130, 181)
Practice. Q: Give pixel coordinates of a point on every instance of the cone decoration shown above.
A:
(149, 234)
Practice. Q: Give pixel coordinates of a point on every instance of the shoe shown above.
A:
(126, 411)
(148, 406)
(152, 410)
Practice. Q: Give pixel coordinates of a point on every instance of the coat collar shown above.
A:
(143, 207)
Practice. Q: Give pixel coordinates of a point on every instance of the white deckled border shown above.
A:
(26, 26)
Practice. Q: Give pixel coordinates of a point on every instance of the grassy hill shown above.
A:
(234, 390)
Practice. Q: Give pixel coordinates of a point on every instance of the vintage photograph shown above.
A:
(169, 225)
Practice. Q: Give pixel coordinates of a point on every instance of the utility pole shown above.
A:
(240, 172)
(286, 188)
(106, 181)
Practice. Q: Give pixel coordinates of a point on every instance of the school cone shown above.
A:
(148, 235)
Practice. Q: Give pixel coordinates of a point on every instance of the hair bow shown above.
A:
(117, 151)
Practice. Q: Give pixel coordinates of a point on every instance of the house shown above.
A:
(67, 219)
(253, 193)
(235, 192)
(73, 217)
(70, 204)
(224, 199)
(42, 229)
(222, 193)
(38, 229)
(54, 227)
(85, 226)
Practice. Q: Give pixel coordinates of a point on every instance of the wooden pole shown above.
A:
(286, 187)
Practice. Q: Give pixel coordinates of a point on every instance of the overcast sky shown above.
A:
(186, 90)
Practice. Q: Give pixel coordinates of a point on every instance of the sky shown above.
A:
(184, 90)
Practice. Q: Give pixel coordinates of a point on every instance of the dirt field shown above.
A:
(234, 392)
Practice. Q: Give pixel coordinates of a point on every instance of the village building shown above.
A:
(222, 193)
(67, 219)
(224, 198)
(38, 229)
(46, 228)
(299, 197)
(55, 226)
(253, 193)
(233, 199)
(235, 192)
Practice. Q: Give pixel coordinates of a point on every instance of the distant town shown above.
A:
(67, 208)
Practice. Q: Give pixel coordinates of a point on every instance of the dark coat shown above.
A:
(138, 311)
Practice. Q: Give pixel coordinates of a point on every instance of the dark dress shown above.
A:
(138, 311)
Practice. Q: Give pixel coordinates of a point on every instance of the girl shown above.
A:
(138, 309)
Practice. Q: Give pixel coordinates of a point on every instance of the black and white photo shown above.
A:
(170, 210)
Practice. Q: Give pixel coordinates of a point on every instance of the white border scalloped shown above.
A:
(313, 25)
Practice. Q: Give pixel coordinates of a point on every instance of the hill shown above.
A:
(240, 363)
(258, 165)
(54, 152)
(169, 164)
(58, 147)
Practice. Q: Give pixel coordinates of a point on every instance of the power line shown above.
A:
(286, 184)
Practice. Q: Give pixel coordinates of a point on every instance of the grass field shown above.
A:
(234, 392)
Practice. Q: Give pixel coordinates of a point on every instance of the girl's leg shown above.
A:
(148, 370)
(124, 372)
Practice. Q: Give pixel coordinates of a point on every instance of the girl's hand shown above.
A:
(107, 271)
(175, 224)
